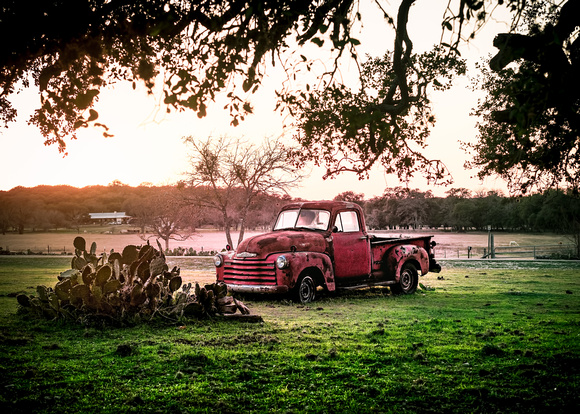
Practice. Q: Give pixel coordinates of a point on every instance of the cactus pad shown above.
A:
(80, 244)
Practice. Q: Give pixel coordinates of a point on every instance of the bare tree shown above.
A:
(167, 218)
(228, 174)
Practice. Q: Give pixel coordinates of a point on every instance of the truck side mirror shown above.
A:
(335, 229)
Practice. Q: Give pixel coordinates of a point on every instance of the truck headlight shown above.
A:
(218, 260)
(282, 262)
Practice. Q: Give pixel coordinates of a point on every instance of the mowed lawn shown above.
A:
(480, 337)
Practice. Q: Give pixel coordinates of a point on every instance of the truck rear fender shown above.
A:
(318, 265)
(405, 253)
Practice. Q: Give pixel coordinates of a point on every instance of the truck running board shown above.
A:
(368, 284)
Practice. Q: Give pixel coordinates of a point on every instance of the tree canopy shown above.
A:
(72, 49)
(530, 133)
(195, 50)
(349, 130)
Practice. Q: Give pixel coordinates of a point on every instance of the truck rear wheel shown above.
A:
(408, 281)
(305, 289)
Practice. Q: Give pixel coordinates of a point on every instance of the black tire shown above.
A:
(408, 281)
(305, 290)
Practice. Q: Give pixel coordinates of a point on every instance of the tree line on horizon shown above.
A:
(168, 208)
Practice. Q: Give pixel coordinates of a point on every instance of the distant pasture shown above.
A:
(448, 243)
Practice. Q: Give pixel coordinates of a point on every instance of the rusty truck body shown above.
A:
(324, 244)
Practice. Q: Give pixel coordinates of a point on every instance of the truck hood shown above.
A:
(262, 245)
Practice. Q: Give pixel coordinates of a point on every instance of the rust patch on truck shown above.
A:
(401, 254)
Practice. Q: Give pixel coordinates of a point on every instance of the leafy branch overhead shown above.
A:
(200, 48)
(530, 133)
(382, 123)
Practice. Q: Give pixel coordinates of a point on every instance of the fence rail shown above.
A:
(535, 252)
(546, 251)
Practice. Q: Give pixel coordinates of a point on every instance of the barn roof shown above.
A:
(109, 216)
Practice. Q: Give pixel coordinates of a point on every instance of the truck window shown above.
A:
(313, 219)
(286, 219)
(347, 221)
(303, 218)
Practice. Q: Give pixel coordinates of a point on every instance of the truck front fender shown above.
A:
(402, 254)
(309, 261)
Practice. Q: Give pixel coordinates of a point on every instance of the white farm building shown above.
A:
(116, 217)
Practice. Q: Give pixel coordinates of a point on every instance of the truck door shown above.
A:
(352, 258)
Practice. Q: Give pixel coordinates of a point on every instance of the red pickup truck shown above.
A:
(324, 244)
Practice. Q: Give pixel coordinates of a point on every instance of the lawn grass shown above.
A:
(485, 340)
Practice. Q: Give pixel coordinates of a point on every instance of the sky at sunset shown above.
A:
(147, 146)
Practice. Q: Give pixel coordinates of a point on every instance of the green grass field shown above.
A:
(501, 338)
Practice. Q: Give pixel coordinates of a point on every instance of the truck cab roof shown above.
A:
(324, 205)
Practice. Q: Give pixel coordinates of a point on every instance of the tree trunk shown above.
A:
(227, 228)
(243, 219)
(242, 230)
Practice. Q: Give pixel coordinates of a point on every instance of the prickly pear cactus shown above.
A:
(126, 287)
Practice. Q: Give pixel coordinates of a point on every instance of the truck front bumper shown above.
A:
(257, 289)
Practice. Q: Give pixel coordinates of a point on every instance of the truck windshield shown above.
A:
(303, 218)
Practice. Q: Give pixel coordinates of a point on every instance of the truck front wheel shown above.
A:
(305, 290)
(408, 281)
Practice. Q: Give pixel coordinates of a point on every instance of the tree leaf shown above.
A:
(317, 41)
(93, 115)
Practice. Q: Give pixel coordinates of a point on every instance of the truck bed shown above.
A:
(418, 240)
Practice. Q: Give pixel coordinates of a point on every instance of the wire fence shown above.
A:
(546, 251)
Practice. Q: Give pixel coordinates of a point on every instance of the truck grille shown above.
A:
(249, 272)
